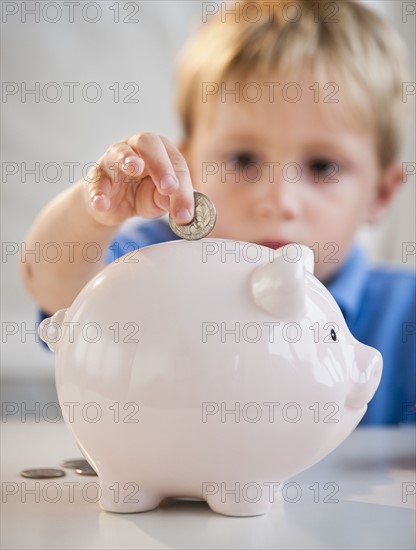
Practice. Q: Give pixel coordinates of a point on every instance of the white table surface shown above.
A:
(372, 475)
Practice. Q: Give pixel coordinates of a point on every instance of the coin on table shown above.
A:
(75, 463)
(201, 224)
(86, 471)
(42, 473)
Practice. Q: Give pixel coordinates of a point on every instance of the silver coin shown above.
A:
(86, 471)
(75, 463)
(201, 224)
(42, 473)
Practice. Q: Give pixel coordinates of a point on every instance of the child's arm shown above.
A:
(92, 211)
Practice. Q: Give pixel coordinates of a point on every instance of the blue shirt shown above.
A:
(378, 304)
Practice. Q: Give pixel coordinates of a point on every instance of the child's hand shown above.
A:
(144, 175)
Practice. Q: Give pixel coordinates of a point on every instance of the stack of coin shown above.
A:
(74, 463)
(80, 465)
(42, 473)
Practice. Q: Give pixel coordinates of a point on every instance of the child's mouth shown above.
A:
(273, 244)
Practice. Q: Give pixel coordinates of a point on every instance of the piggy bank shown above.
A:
(211, 369)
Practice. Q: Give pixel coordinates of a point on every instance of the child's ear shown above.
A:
(389, 182)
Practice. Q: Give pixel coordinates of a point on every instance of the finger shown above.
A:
(161, 201)
(149, 203)
(98, 188)
(120, 161)
(100, 202)
(151, 149)
(181, 200)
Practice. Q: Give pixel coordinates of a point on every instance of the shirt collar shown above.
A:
(347, 285)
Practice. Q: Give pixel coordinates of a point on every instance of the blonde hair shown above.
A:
(341, 41)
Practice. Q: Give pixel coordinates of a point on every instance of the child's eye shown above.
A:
(242, 159)
(324, 170)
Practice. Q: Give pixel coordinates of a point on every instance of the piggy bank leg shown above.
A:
(240, 499)
(127, 497)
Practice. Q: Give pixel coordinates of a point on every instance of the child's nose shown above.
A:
(278, 199)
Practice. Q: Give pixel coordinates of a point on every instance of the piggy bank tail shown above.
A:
(50, 329)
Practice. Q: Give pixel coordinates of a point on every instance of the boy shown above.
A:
(292, 117)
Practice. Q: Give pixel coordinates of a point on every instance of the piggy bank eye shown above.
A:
(333, 335)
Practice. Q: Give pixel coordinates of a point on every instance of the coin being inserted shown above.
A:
(201, 224)
(42, 473)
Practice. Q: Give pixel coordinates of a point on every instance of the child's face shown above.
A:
(314, 182)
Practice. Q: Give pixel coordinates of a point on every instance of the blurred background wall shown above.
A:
(124, 51)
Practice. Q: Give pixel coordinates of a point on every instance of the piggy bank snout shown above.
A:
(366, 377)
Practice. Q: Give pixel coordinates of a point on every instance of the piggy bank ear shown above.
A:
(279, 286)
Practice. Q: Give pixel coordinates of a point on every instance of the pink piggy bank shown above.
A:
(210, 369)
